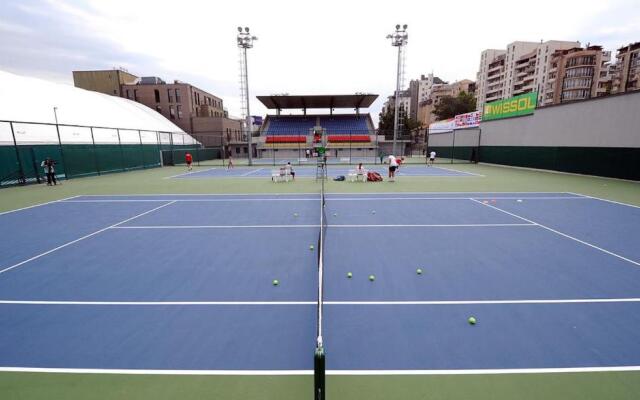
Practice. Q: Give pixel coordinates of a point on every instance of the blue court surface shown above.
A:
(310, 171)
(184, 282)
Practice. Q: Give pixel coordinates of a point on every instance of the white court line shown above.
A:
(607, 200)
(561, 234)
(455, 170)
(252, 172)
(375, 372)
(82, 238)
(328, 302)
(317, 226)
(305, 194)
(38, 205)
(212, 226)
(332, 199)
(485, 371)
(189, 173)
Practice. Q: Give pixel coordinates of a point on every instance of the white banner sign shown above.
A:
(468, 120)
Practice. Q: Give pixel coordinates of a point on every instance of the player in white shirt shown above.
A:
(432, 157)
(393, 166)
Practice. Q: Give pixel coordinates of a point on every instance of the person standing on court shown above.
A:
(230, 162)
(188, 159)
(393, 166)
(50, 171)
(432, 157)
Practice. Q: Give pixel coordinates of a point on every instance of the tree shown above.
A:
(385, 124)
(450, 106)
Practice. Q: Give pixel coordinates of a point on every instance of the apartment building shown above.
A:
(404, 104)
(521, 68)
(420, 91)
(487, 57)
(177, 101)
(626, 76)
(196, 111)
(577, 74)
(425, 110)
(104, 81)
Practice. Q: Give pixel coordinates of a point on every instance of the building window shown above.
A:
(135, 94)
(159, 109)
(179, 107)
(178, 98)
(128, 94)
(237, 150)
(156, 92)
(170, 95)
(172, 112)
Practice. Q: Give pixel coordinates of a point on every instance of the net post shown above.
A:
(319, 374)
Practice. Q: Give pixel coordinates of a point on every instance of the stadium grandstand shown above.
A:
(350, 137)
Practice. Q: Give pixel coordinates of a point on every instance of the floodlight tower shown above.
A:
(399, 39)
(245, 41)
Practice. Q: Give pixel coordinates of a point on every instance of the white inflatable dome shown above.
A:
(27, 99)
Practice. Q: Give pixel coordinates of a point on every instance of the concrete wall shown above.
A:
(596, 137)
(612, 121)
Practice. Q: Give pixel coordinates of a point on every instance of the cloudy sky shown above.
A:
(304, 47)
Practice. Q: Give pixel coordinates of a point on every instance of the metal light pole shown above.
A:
(399, 39)
(245, 41)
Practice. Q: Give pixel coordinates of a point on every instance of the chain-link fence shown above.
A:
(88, 150)
(456, 146)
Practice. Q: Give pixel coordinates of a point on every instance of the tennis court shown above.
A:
(183, 284)
(310, 172)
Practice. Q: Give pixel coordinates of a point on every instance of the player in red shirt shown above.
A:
(188, 159)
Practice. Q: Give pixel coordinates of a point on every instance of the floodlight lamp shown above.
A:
(246, 29)
(404, 26)
(240, 29)
(397, 26)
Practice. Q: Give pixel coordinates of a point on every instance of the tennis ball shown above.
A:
(311, 247)
(372, 278)
(335, 214)
(276, 282)
(472, 320)
(349, 275)
(373, 211)
(295, 214)
(519, 201)
(419, 271)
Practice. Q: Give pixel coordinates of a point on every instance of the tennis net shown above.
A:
(319, 355)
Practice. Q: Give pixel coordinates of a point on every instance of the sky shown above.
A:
(303, 47)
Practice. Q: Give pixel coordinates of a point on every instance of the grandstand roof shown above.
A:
(281, 102)
(27, 99)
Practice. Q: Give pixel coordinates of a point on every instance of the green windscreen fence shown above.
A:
(84, 151)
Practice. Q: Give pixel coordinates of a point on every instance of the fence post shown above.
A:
(22, 179)
(64, 164)
(158, 140)
(141, 149)
(121, 151)
(350, 147)
(427, 132)
(453, 146)
(173, 161)
(95, 151)
(479, 145)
